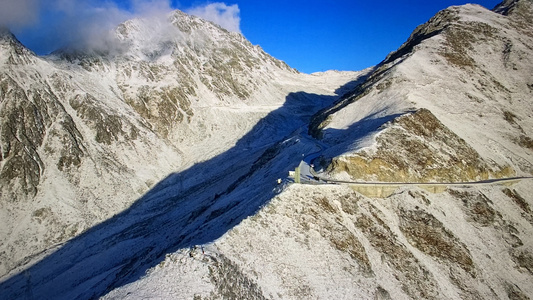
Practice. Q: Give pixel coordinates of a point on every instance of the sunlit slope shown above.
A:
(453, 103)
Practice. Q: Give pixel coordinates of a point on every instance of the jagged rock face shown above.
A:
(471, 68)
(26, 116)
(57, 140)
(176, 62)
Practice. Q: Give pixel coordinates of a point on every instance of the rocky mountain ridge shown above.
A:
(465, 71)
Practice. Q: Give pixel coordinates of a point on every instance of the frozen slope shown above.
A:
(112, 159)
(452, 103)
(324, 242)
(469, 73)
(192, 207)
(84, 134)
(461, 111)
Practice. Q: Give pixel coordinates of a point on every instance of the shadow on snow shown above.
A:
(349, 139)
(193, 207)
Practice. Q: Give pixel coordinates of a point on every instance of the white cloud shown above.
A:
(227, 16)
(151, 8)
(85, 24)
(19, 13)
(88, 24)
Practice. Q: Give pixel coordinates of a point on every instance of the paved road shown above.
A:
(309, 176)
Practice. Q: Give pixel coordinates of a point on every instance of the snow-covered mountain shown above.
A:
(453, 104)
(84, 134)
(462, 86)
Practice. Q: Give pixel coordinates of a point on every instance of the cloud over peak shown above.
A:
(227, 16)
(19, 13)
(47, 25)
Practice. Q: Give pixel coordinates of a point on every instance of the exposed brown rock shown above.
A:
(418, 148)
(429, 235)
(416, 281)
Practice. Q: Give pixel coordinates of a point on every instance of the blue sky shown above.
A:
(345, 35)
(309, 35)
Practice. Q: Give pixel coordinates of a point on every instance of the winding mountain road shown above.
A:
(384, 189)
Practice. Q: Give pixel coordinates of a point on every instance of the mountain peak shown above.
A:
(508, 7)
(6, 36)
(12, 49)
(153, 38)
(459, 42)
(4, 32)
